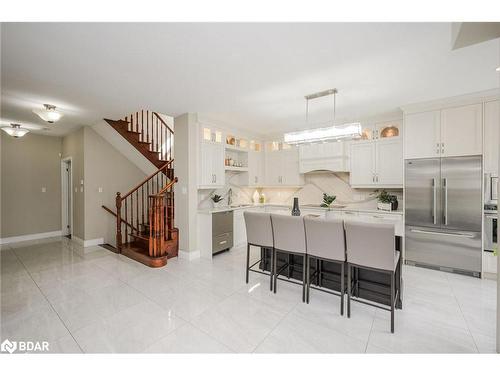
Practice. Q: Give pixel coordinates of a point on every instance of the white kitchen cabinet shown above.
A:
(462, 131)
(362, 163)
(377, 163)
(491, 136)
(255, 168)
(455, 131)
(422, 135)
(282, 168)
(389, 162)
(211, 165)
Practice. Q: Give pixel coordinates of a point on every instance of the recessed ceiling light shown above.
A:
(15, 130)
(48, 113)
(498, 69)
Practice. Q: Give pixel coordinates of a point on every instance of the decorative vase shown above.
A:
(255, 197)
(394, 205)
(295, 209)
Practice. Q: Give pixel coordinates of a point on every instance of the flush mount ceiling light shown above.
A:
(333, 132)
(15, 130)
(48, 113)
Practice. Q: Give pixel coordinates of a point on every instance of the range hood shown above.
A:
(328, 156)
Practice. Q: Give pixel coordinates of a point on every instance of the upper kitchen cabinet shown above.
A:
(329, 156)
(211, 161)
(453, 131)
(462, 131)
(282, 165)
(389, 162)
(381, 130)
(377, 163)
(362, 163)
(491, 136)
(422, 135)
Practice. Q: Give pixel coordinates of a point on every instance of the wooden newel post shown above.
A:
(119, 222)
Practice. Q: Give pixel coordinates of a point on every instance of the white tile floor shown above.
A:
(101, 302)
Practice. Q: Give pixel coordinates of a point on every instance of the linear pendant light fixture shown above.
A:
(333, 132)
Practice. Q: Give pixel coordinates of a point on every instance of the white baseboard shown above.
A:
(189, 255)
(87, 243)
(30, 237)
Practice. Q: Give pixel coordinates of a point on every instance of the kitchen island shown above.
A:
(368, 285)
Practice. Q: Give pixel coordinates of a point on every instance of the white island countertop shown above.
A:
(354, 207)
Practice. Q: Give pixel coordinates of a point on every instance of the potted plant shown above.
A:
(328, 200)
(386, 201)
(216, 199)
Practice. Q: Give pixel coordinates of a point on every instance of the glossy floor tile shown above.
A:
(94, 301)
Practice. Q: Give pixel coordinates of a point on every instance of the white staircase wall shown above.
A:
(124, 147)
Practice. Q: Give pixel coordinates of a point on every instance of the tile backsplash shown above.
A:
(311, 193)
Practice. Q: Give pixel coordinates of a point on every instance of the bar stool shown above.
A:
(372, 246)
(289, 237)
(259, 233)
(325, 240)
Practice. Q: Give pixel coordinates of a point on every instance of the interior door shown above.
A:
(422, 192)
(461, 193)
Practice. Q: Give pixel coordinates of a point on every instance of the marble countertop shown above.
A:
(356, 207)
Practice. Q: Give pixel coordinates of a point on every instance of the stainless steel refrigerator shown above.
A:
(443, 213)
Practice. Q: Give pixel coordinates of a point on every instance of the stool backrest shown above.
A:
(259, 228)
(289, 233)
(371, 245)
(325, 238)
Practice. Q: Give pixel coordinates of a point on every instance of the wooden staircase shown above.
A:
(145, 228)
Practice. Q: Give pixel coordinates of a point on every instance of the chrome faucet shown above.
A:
(230, 197)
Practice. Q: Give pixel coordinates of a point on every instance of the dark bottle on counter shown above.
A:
(295, 209)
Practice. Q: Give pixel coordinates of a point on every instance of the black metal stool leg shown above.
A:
(271, 270)
(342, 289)
(308, 277)
(348, 290)
(392, 302)
(304, 270)
(248, 262)
(274, 269)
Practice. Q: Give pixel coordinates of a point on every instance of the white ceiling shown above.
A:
(251, 76)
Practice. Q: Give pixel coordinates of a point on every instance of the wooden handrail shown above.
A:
(115, 215)
(169, 185)
(163, 122)
(148, 178)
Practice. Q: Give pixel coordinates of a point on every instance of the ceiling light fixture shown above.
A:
(15, 130)
(333, 132)
(498, 69)
(48, 113)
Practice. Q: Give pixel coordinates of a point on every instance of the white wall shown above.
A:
(186, 169)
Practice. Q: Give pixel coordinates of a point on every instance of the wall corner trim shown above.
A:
(29, 237)
(87, 243)
(189, 255)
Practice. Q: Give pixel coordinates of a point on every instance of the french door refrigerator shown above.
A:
(443, 213)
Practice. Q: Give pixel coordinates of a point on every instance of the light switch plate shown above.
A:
(100, 189)
(44, 189)
(184, 190)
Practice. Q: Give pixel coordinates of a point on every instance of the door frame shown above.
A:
(66, 195)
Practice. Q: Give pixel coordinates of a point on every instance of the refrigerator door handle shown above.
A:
(434, 198)
(445, 201)
(466, 235)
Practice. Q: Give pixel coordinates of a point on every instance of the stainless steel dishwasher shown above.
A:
(222, 231)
